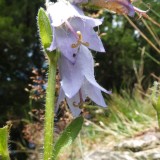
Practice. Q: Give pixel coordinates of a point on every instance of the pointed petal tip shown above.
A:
(105, 106)
(108, 92)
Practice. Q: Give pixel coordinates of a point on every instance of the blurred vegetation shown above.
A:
(123, 46)
(126, 116)
(20, 52)
(122, 68)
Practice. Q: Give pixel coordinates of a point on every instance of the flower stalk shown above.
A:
(49, 108)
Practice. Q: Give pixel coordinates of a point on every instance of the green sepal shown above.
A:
(68, 135)
(4, 134)
(45, 30)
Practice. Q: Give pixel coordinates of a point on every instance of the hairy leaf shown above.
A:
(45, 30)
(68, 136)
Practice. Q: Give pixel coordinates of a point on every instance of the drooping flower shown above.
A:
(121, 6)
(73, 34)
(66, 20)
(78, 81)
(117, 6)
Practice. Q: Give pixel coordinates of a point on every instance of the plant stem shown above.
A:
(49, 108)
(4, 134)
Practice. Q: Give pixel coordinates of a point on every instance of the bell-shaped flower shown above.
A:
(120, 6)
(66, 20)
(78, 81)
(117, 6)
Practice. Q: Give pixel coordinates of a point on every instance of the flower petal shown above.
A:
(71, 77)
(78, 1)
(61, 11)
(75, 110)
(93, 93)
(86, 60)
(121, 6)
(61, 97)
(65, 39)
(85, 26)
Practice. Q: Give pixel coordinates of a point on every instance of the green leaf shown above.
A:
(4, 154)
(68, 136)
(45, 30)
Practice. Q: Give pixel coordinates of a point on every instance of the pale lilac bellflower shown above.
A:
(73, 34)
(66, 20)
(78, 81)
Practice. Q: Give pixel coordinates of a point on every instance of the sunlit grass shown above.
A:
(126, 116)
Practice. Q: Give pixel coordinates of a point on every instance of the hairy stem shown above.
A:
(49, 108)
(4, 134)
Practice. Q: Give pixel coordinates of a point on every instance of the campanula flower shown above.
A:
(66, 20)
(121, 7)
(73, 35)
(117, 6)
(78, 81)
